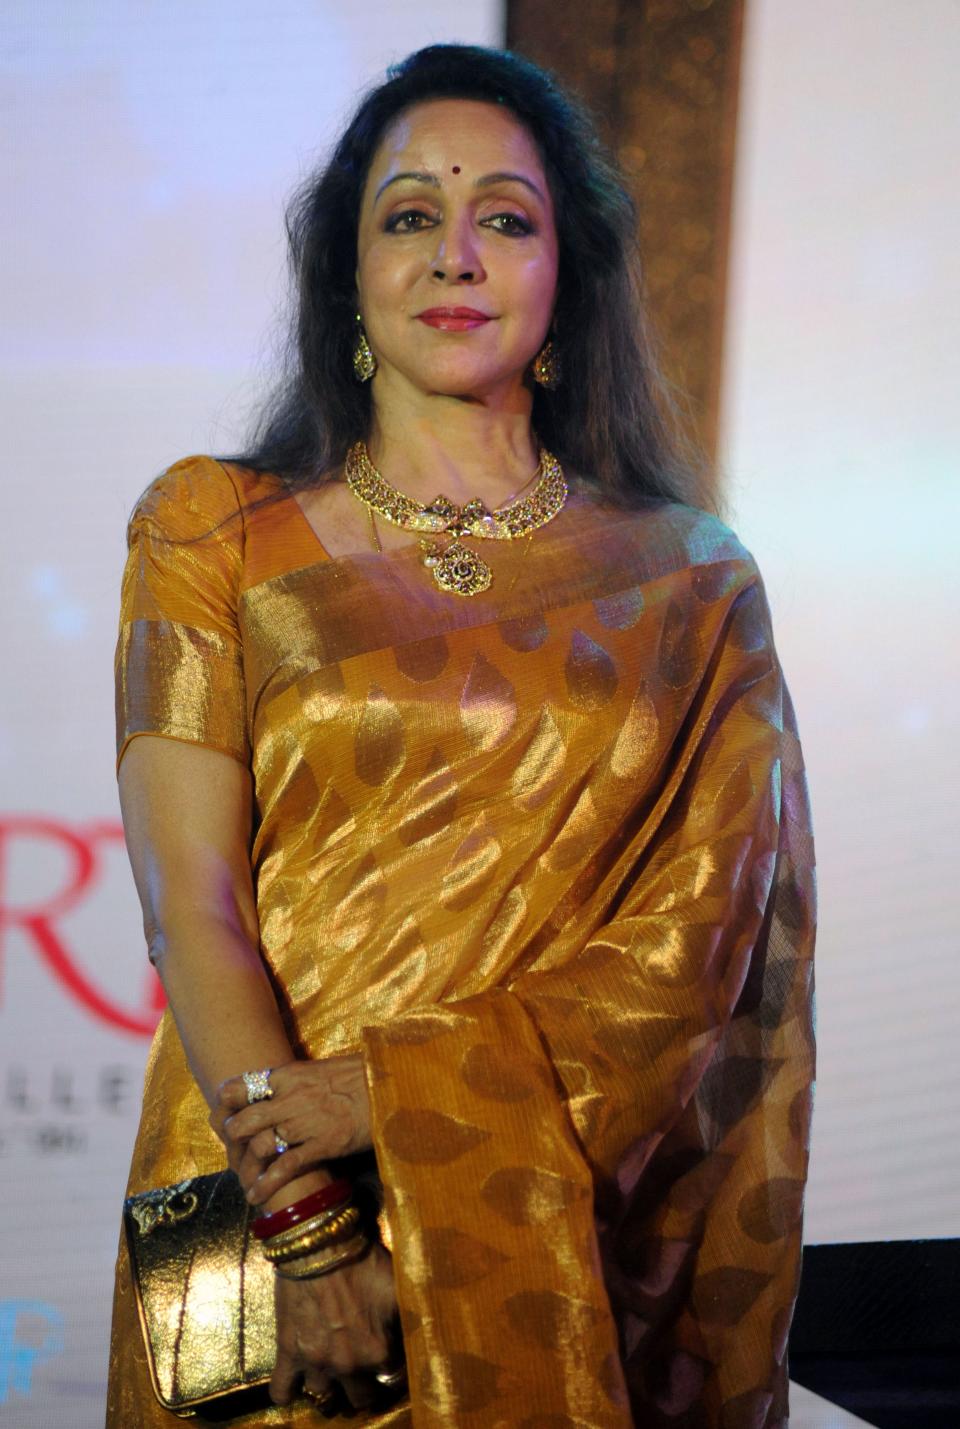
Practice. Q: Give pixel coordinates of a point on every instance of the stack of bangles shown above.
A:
(315, 1235)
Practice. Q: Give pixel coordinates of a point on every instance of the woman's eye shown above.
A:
(412, 220)
(510, 223)
(408, 220)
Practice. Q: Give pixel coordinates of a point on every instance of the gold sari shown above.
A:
(544, 856)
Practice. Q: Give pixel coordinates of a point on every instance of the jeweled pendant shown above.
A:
(461, 571)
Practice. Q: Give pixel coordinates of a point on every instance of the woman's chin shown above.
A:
(469, 384)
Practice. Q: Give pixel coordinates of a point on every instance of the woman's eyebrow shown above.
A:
(504, 177)
(420, 178)
(501, 177)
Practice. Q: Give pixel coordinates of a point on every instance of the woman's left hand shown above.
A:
(320, 1109)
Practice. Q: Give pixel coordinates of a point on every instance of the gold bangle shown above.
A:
(331, 1225)
(335, 1231)
(295, 1232)
(307, 1267)
(325, 1260)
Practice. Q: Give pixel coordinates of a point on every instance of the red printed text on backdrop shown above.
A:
(41, 918)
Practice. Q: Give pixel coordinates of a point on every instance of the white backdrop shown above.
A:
(147, 152)
(842, 446)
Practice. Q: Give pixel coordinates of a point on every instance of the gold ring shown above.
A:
(322, 1401)
(390, 1378)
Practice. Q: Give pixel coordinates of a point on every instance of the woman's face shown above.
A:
(456, 251)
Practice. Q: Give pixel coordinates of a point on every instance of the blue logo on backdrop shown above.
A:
(30, 1331)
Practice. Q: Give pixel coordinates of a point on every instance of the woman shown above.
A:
(484, 827)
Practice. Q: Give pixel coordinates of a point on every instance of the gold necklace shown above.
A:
(456, 568)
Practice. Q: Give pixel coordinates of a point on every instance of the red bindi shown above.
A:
(456, 168)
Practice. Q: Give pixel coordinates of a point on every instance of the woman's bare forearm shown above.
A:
(226, 1014)
(187, 818)
(221, 999)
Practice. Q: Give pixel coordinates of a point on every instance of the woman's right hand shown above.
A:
(335, 1327)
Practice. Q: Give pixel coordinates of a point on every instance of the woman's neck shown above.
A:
(455, 447)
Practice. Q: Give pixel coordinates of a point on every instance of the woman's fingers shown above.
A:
(327, 1095)
(263, 1146)
(233, 1094)
(262, 1170)
(251, 1166)
(286, 1373)
(261, 1175)
(297, 1117)
(261, 1184)
(328, 1330)
(360, 1390)
(217, 1120)
(321, 1393)
(301, 1117)
(241, 1125)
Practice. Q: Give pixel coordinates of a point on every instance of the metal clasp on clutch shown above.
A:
(172, 1204)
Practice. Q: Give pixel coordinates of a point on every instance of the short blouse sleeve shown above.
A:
(178, 665)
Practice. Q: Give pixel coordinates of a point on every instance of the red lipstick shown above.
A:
(453, 319)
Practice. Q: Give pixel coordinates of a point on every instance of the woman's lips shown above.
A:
(453, 319)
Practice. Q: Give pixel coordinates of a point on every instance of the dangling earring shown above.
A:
(364, 362)
(546, 366)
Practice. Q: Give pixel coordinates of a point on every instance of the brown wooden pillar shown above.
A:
(662, 78)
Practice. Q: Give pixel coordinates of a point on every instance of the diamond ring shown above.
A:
(258, 1086)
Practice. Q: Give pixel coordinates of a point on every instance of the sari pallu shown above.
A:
(544, 856)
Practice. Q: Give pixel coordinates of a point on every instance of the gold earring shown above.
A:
(364, 362)
(546, 366)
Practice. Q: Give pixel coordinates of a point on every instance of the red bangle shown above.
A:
(336, 1194)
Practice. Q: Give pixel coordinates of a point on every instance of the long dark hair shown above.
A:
(611, 420)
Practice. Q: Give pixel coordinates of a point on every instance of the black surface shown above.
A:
(877, 1331)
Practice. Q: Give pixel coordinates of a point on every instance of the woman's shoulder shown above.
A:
(703, 537)
(200, 495)
(671, 535)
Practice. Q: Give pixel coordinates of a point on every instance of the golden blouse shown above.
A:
(543, 856)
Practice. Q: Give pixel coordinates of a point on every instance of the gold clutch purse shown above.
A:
(205, 1295)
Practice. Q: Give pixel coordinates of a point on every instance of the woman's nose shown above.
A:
(457, 259)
